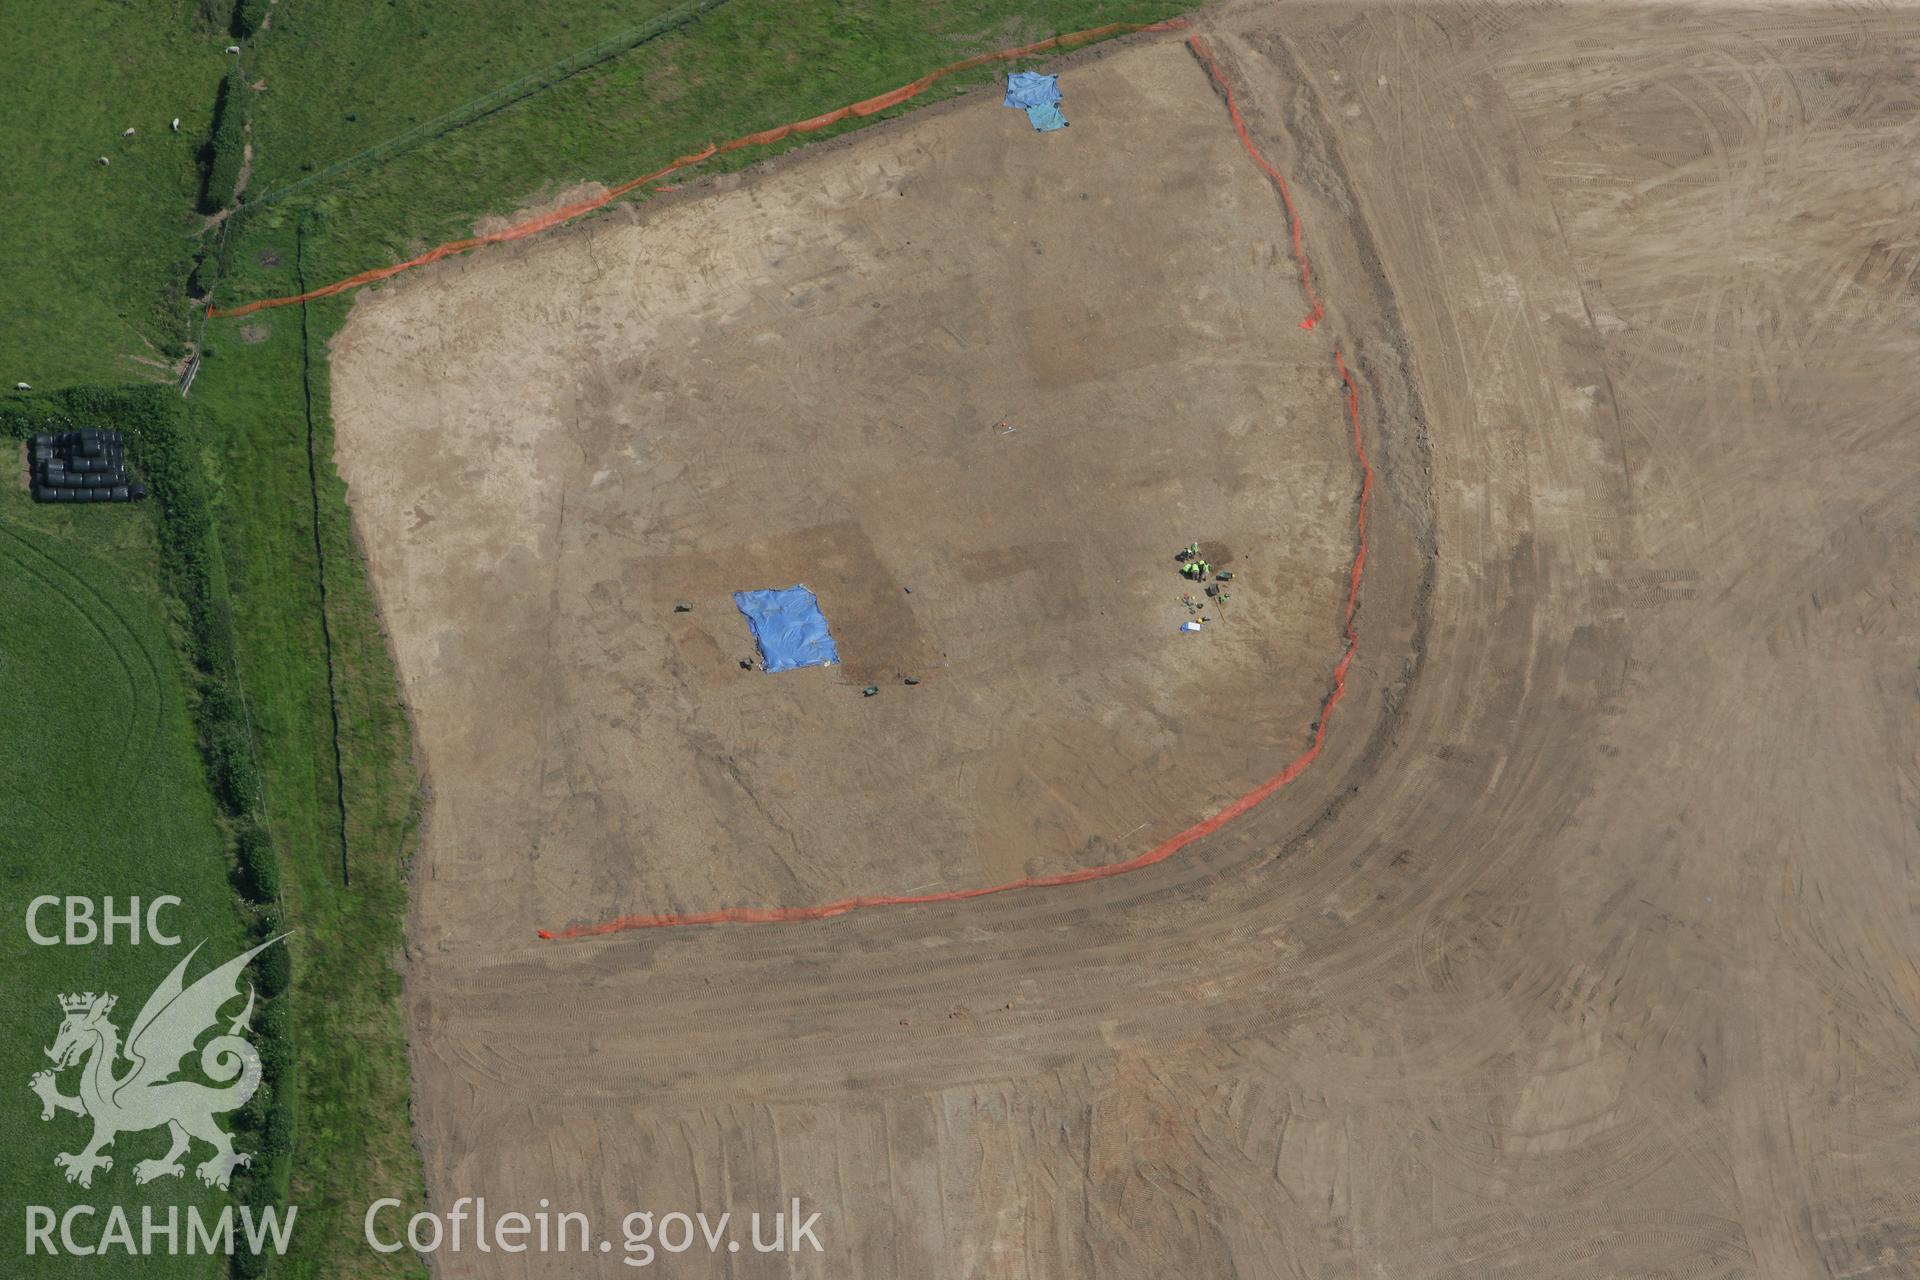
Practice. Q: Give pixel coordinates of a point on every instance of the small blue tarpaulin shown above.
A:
(1046, 119)
(1031, 89)
(788, 627)
(1038, 96)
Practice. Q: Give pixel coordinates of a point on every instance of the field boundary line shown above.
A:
(320, 560)
(766, 137)
(1206, 826)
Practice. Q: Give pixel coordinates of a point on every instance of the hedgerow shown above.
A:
(226, 149)
(247, 17)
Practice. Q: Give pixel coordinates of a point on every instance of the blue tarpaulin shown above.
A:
(1046, 119)
(1036, 95)
(1031, 89)
(788, 627)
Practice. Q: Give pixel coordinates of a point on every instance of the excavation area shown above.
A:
(975, 386)
(1585, 946)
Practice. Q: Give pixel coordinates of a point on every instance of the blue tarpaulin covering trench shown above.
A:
(1038, 96)
(788, 627)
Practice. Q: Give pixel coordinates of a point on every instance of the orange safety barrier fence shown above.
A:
(1206, 826)
(865, 107)
(1319, 309)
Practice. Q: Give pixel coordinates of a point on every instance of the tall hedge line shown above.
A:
(159, 451)
(226, 148)
(247, 17)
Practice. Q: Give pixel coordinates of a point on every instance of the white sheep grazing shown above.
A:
(23, 386)
(176, 124)
(104, 162)
(127, 134)
(233, 48)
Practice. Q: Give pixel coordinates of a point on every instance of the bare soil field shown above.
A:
(1588, 948)
(909, 377)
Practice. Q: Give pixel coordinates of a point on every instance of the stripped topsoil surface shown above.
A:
(1588, 947)
(909, 376)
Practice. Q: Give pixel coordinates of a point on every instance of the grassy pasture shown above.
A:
(104, 795)
(98, 256)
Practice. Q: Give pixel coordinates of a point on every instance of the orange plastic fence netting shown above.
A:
(1317, 308)
(865, 107)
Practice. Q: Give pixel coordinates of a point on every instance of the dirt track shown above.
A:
(1589, 947)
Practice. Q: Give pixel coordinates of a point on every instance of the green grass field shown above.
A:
(98, 256)
(104, 792)
(328, 84)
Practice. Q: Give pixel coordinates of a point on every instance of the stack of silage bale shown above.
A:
(88, 465)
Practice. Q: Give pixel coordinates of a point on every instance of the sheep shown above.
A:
(127, 134)
(233, 48)
(176, 124)
(23, 386)
(103, 162)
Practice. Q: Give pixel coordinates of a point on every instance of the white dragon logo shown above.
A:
(147, 1096)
